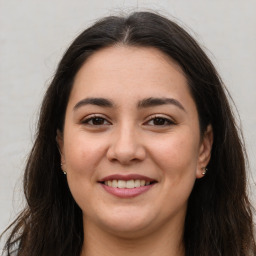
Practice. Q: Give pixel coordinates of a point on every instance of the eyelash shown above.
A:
(163, 121)
(94, 118)
(167, 121)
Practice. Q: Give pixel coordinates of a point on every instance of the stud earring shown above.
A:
(204, 170)
(64, 172)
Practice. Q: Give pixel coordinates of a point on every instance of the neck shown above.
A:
(165, 242)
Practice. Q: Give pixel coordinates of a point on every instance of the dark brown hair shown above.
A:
(219, 218)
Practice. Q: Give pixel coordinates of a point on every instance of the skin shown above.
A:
(127, 139)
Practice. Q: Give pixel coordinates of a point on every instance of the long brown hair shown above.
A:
(219, 215)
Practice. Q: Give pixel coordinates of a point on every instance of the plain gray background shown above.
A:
(34, 35)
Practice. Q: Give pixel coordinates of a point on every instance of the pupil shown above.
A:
(98, 121)
(159, 121)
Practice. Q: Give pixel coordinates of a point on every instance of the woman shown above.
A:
(137, 151)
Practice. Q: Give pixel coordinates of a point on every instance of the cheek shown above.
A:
(82, 156)
(178, 161)
(83, 153)
(177, 154)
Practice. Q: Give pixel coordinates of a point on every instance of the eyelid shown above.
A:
(90, 117)
(167, 118)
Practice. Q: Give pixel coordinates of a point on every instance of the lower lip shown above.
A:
(127, 192)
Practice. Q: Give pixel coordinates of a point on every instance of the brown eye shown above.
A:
(96, 121)
(160, 121)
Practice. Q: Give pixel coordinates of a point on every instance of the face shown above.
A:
(131, 144)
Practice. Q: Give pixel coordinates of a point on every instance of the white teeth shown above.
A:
(137, 183)
(121, 184)
(142, 182)
(130, 184)
(114, 183)
(126, 184)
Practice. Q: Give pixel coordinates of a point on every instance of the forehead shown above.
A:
(133, 72)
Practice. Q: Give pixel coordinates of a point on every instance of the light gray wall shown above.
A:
(34, 34)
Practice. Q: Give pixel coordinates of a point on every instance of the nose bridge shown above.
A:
(126, 145)
(126, 136)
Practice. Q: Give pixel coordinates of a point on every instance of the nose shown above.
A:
(126, 147)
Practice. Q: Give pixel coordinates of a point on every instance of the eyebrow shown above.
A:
(151, 102)
(101, 102)
(145, 103)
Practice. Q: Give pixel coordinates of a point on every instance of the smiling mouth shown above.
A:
(127, 186)
(127, 183)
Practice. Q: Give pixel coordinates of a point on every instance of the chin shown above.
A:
(128, 231)
(126, 225)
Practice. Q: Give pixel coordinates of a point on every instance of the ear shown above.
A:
(204, 151)
(60, 145)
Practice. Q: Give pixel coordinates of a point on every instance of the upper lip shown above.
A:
(126, 177)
